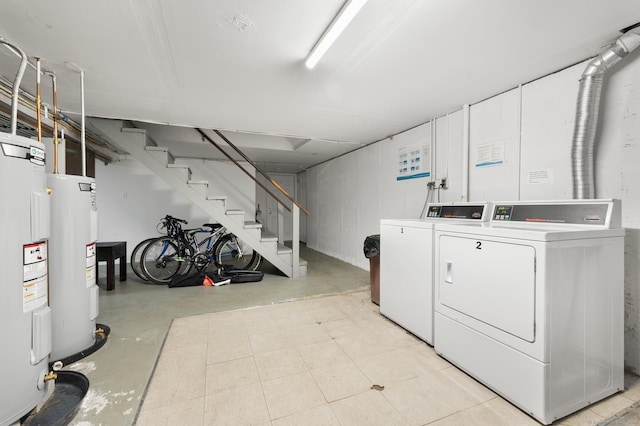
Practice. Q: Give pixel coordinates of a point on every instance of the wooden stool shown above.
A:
(109, 252)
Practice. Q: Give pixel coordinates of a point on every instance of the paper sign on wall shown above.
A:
(491, 154)
(540, 176)
(414, 161)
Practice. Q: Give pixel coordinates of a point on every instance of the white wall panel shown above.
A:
(495, 126)
(448, 154)
(548, 116)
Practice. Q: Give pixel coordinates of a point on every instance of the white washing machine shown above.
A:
(532, 305)
(406, 264)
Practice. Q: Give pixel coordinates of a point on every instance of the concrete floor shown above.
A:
(139, 315)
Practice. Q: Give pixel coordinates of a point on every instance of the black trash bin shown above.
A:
(372, 252)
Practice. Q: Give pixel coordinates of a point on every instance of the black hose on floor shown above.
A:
(102, 333)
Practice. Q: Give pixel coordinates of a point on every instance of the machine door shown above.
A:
(493, 282)
(406, 278)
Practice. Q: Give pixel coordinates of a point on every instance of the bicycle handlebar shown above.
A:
(171, 218)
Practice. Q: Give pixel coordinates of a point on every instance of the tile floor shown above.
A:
(330, 360)
(140, 314)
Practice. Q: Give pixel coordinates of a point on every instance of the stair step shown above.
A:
(267, 237)
(237, 215)
(220, 199)
(156, 148)
(252, 225)
(282, 249)
(199, 186)
(159, 153)
(180, 168)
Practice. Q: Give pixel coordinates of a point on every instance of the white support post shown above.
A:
(280, 213)
(295, 243)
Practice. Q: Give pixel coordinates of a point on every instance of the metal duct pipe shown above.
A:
(16, 83)
(588, 105)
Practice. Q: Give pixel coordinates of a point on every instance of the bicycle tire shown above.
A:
(227, 254)
(136, 256)
(160, 261)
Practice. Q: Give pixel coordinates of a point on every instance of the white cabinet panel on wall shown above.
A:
(548, 116)
(448, 156)
(494, 148)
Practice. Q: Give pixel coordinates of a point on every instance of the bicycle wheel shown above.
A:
(136, 256)
(232, 253)
(161, 260)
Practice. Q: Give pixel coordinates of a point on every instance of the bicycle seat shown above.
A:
(213, 226)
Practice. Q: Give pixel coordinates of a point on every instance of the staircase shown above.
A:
(160, 162)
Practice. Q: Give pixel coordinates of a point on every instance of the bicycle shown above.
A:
(176, 254)
(166, 226)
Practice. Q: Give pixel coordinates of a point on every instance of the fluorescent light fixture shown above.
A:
(340, 22)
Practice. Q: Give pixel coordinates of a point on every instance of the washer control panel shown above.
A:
(449, 211)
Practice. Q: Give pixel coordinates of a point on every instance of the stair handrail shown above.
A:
(258, 169)
(204, 135)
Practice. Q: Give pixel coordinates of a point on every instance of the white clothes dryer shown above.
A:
(532, 305)
(406, 264)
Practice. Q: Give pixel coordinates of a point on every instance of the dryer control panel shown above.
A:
(573, 213)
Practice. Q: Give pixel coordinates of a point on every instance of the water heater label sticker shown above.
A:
(91, 264)
(34, 261)
(35, 281)
(91, 276)
(35, 253)
(91, 254)
(34, 294)
(37, 155)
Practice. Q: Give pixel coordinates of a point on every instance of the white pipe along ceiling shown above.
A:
(238, 65)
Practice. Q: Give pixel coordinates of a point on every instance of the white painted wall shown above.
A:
(272, 213)
(348, 196)
(535, 124)
(225, 178)
(131, 200)
(548, 109)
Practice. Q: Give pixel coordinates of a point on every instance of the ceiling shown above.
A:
(237, 65)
